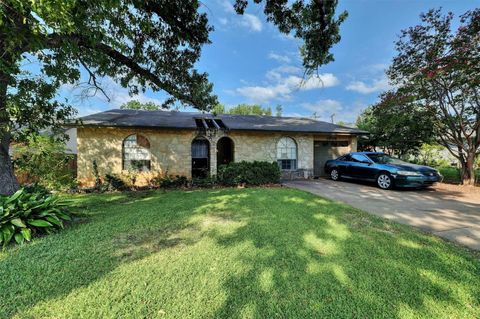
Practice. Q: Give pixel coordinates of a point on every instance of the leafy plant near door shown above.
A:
(28, 212)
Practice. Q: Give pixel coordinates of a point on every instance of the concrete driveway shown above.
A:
(444, 211)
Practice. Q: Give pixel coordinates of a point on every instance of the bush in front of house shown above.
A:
(115, 182)
(204, 182)
(249, 173)
(176, 181)
(31, 211)
(44, 160)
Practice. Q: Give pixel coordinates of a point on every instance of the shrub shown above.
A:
(44, 160)
(208, 181)
(453, 175)
(249, 173)
(176, 181)
(30, 211)
(115, 182)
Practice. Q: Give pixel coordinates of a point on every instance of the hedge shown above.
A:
(249, 173)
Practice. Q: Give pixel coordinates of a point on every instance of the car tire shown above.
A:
(384, 181)
(334, 174)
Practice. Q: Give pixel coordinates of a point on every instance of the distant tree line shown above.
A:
(247, 109)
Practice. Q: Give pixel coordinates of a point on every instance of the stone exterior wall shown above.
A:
(171, 150)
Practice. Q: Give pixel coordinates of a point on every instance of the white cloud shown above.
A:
(276, 73)
(81, 96)
(87, 110)
(283, 82)
(223, 21)
(264, 93)
(227, 6)
(251, 22)
(324, 109)
(376, 85)
(279, 58)
(119, 97)
(317, 82)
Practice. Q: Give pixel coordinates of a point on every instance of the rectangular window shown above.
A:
(287, 164)
(136, 165)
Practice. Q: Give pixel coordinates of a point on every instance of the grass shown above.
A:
(235, 253)
(452, 175)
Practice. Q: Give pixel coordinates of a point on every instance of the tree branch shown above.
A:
(57, 40)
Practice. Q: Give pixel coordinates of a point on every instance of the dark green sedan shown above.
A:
(386, 171)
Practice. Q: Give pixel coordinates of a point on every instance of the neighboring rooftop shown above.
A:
(190, 120)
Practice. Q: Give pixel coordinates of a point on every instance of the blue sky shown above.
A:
(249, 61)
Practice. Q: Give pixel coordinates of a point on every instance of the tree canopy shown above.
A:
(397, 124)
(137, 105)
(439, 68)
(243, 109)
(140, 44)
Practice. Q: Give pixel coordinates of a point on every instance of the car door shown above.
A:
(361, 167)
(343, 165)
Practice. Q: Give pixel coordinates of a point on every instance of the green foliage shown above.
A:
(278, 110)
(250, 109)
(236, 253)
(136, 105)
(28, 212)
(244, 109)
(397, 124)
(168, 181)
(44, 160)
(249, 173)
(218, 109)
(139, 44)
(438, 67)
(205, 182)
(431, 155)
(454, 175)
(115, 182)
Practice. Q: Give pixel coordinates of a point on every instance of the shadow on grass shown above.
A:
(329, 260)
(302, 256)
(120, 228)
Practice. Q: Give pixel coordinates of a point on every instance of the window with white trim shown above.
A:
(136, 153)
(287, 153)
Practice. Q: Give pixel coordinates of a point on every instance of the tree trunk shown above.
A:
(468, 170)
(8, 181)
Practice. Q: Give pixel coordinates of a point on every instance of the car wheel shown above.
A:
(334, 174)
(384, 181)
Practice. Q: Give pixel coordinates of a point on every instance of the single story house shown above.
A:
(195, 144)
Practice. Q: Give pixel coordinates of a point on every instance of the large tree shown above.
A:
(441, 68)
(397, 124)
(138, 43)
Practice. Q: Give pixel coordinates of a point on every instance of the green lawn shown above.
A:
(235, 253)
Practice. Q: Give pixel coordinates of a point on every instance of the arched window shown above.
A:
(287, 153)
(136, 153)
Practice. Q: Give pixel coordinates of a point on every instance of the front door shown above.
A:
(224, 151)
(200, 158)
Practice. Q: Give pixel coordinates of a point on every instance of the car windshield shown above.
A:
(385, 159)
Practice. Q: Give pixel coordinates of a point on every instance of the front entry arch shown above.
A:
(225, 151)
